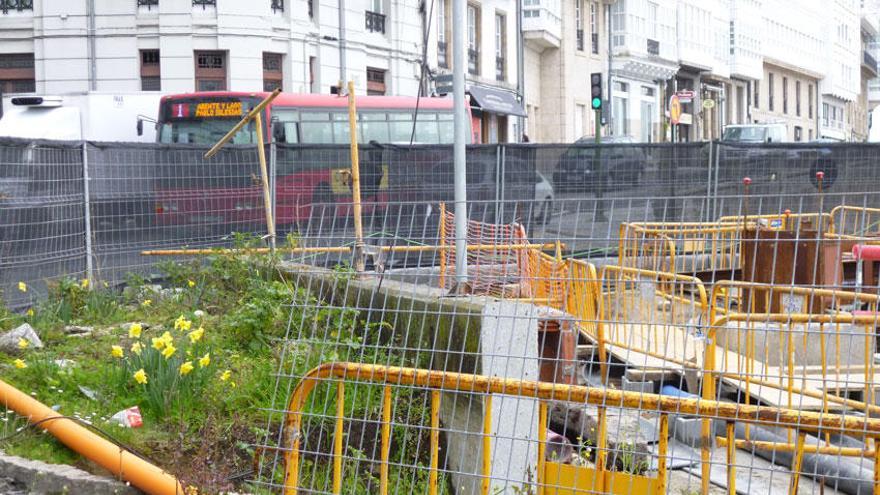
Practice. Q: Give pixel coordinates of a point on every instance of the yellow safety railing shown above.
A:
(601, 479)
(686, 247)
(784, 221)
(740, 361)
(645, 247)
(856, 223)
(583, 301)
(754, 297)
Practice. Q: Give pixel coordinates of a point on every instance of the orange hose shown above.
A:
(125, 465)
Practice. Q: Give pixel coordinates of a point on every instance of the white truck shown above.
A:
(93, 116)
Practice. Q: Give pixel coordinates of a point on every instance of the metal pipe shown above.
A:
(122, 463)
(346, 249)
(93, 64)
(359, 256)
(264, 181)
(520, 70)
(459, 62)
(342, 45)
(87, 215)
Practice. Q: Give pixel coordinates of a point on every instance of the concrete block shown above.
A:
(636, 386)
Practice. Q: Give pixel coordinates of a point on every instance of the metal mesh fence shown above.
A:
(659, 325)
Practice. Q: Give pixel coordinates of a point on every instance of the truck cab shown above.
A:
(755, 133)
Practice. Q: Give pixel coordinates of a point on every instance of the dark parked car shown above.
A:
(621, 163)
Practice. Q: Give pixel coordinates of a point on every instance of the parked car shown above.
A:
(620, 162)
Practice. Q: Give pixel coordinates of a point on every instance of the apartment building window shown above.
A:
(375, 81)
(375, 19)
(797, 98)
(19, 5)
(798, 133)
(204, 3)
(594, 29)
(500, 45)
(473, 27)
(770, 91)
(785, 95)
(149, 4)
(151, 75)
(826, 117)
(210, 71)
(17, 73)
(272, 71)
(277, 5)
(757, 94)
(442, 47)
(311, 4)
(810, 101)
(579, 24)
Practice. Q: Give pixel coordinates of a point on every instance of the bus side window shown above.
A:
(401, 126)
(373, 126)
(317, 132)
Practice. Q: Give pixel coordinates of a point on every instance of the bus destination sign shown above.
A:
(219, 109)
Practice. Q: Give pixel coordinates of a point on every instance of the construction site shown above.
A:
(707, 324)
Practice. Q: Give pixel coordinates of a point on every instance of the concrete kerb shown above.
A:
(19, 475)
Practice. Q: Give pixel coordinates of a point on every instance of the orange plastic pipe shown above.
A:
(122, 463)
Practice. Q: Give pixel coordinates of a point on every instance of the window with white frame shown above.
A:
(579, 24)
(594, 29)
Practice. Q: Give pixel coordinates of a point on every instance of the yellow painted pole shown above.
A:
(731, 458)
(344, 249)
(337, 438)
(487, 445)
(542, 446)
(601, 449)
(661, 454)
(797, 462)
(435, 441)
(790, 447)
(386, 439)
(359, 259)
(264, 179)
(877, 472)
(122, 463)
(790, 367)
(442, 245)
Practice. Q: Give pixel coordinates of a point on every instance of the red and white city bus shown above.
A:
(305, 119)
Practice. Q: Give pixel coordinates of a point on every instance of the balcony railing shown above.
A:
(19, 5)
(594, 43)
(149, 4)
(473, 62)
(869, 60)
(442, 55)
(653, 47)
(277, 5)
(499, 68)
(204, 3)
(375, 22)
(580, 39)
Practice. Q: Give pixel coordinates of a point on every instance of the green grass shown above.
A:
(198, 418)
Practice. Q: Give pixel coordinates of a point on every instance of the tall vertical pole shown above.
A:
(359, 260)
(87, 215)
(462, 127)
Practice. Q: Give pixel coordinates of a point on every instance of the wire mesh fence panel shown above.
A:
(42, 226)
(150, 197)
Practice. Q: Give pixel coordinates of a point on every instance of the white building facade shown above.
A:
(185, 45)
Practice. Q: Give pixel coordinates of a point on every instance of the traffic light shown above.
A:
(596, 90)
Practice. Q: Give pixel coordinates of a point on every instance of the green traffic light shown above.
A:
(597, 103)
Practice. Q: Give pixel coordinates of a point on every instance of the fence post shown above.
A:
(87, 214)
(709, 213)
(273, 167)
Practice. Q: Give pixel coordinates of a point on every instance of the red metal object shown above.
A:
(864, 252)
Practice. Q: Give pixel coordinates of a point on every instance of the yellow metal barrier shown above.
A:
(784, 221)
(856, 223)
(685, 247)
(645, 247)
(746, 366)
(803, 421)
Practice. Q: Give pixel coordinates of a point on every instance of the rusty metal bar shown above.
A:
(797, 463)
(435, 441)
(337, 438)
(386, 439)
(542, 445)
(731, 458)
(486, 480)
(790, 447)
(662, 448)
(247, 118)
(442, 244)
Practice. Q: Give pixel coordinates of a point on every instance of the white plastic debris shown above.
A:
(128, 418)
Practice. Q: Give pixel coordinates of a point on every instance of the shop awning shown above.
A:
(496, 101)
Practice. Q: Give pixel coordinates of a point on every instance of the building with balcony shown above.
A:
(841, 85)
(492, 72)
(185, 45)
(860, 109)
(564, 41)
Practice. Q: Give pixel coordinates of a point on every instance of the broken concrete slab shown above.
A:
(40, 478)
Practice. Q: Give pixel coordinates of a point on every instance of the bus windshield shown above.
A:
(204, 120)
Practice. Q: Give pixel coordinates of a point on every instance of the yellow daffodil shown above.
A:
(167, 337)
(134, 331)
(84, 283)
(22, 287)
(147, 303)
(136, 348)
(185, 368)
(23, 343)
(205, 360)
(169, 350)
(196, 335)
(117, 351)
(225, 375)
(140, 376)
(19, 364)
(182, 324)
(190, 283)
(158, 343)
(30, 312)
